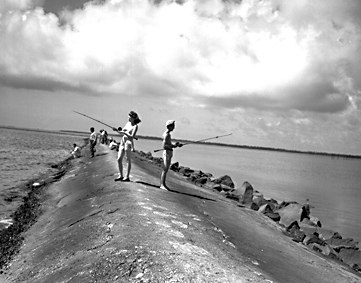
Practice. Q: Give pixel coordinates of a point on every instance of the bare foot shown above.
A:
(164, 188)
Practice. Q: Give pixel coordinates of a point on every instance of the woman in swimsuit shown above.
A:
(127, 144)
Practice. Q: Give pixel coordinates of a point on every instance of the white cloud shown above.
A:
(19, 5)
(255, 51)
(278, 57)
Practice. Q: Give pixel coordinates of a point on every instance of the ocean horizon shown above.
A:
(331, 183)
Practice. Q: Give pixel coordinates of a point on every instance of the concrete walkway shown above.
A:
(96, 230)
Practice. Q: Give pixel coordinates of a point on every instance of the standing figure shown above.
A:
(105, 137)
(306, 210)
(101, 136)
(168, 152)
(92, 141)
(126, 144)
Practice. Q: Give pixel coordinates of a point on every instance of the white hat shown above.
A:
(169, 122)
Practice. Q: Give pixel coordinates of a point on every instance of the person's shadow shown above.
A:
(157, 186)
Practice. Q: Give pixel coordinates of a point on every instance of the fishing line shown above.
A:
(118, 129)
(216, 137)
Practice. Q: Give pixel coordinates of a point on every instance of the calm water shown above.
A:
(333, 185)
(23, 156)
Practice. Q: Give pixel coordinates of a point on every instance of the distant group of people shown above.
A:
(126, 146)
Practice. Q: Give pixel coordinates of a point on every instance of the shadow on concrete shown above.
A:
(191, 195)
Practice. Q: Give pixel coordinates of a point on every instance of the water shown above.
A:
(333, 185)
(24, 155)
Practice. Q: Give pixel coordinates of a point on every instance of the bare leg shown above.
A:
(129, 163)
(120, 163)
(166, 165)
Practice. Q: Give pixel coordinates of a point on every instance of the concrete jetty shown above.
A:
(93, 229)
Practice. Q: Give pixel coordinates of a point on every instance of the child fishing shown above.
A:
(76, 152)
(167, 152)
(92, 141)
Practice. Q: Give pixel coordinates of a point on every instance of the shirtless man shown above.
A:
(168, 152)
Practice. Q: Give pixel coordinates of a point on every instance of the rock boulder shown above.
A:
(290, 213)
(225, 180)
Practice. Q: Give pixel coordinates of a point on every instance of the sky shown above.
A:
(274, 73)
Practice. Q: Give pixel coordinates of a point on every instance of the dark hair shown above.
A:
(92, 129)
(135, 116)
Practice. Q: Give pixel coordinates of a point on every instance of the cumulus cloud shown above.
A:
(269, 55)
(19, 5)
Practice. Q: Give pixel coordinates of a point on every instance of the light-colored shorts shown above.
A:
(127, 146)
(167, 157)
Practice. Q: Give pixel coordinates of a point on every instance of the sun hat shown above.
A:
(170, 122)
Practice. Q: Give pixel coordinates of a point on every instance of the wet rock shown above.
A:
(252, 206)
(315, 221)
(225, 180)
(158, 160)
(209, 175)
(274, 216)
(216, 187)
(258, 199)
(338, 243)
(325, 234)
(308, 230)
(294, 225)
(295, 233)
(336, 235)
(175, 167)
(247, 196)
(308, 222)
(324, 249)
(226, 188)
(289, 213)
(185, 171)
(311, 239)
(200, 181)
(265, 208)
(351, 256)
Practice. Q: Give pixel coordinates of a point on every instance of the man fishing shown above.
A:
(167, 152)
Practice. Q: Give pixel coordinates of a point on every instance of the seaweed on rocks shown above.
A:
(26, 215)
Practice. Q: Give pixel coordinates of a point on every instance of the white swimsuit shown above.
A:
(126, 143)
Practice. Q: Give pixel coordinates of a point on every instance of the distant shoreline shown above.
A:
(333, 155)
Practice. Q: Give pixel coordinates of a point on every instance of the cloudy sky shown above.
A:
(274, 73)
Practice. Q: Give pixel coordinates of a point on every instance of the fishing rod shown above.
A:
(118, 130)
(207, 139)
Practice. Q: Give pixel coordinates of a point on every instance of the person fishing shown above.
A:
(76, 152)
(126, 145)
(92, 141)
(167, 152)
